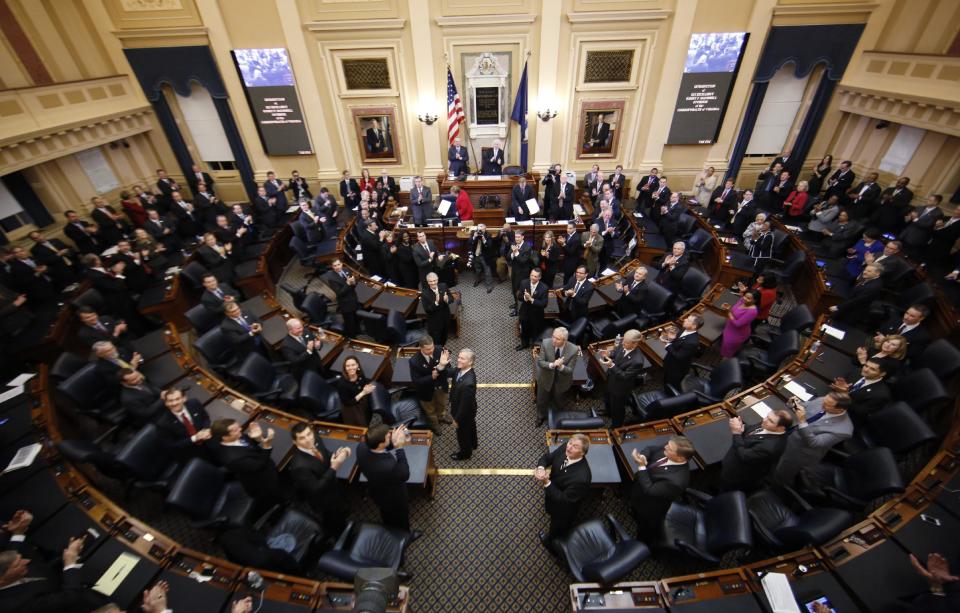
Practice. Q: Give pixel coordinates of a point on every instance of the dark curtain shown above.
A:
(32, 205)
(811, 123)
(746, 128)
(177, 67)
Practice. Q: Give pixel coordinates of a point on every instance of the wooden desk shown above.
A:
(281, 593)
(603, 463)
(628, 596)
(709, 430)
(921, 525)
(641, 436)
(399, 299)
(374, 359)
(725, 590)
(335, 597)
(188, 594)
(810, 578)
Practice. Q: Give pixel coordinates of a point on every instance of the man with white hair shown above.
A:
(301, 348)
(554, 373)
(624, 365)
(436, 300)
(463, 403)
(674, 266)
(493, 162)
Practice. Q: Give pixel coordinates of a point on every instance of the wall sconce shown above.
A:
(546, 114)
(427, 118)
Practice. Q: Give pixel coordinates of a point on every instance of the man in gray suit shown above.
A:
(554, 371)
(821, 423)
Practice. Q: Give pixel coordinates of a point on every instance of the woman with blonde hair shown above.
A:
(705, 184)
(796, 202)
(549, 258)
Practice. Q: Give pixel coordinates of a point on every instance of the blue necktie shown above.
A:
(857, 385)
(816, 417)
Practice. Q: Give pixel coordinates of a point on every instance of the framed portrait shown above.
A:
(599, 129)
(377, 134)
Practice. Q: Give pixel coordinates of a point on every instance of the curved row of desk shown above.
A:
(845, 569)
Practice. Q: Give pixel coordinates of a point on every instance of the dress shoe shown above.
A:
(546, 542)
(476, 283)
(437, 432)
(446, 420)
(540, 421)
(459, 456)
(521, 347)
(415, 535)
(489, 289)
(513, 312)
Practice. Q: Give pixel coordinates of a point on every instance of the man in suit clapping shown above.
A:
(565, 476)
(662, 476)
(554, 371)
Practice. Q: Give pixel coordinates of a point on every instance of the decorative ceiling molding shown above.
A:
(171, 32)
(820, 9)
(485, 20)
(610, 16)
(357, 24)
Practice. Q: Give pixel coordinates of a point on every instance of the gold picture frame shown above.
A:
(377, 135)
(598, 132)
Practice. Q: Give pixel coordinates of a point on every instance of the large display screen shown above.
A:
(272, 96)
(713, 60)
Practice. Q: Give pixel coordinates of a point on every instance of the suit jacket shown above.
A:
(219, 265)
(209, 300)
(656, 488)
(622, 376)
(808, 444)
(493, 164)
(189, 223)
(917, 339)
(370, 247)
(81, 235)
(347, 301)
(532, 311)
(45, 255)
(518, 202)
(421, 369)
(632, 301)
(266, 214)
(591, 253)
(254, 469)
(58, 594)
(572, 251)
(421, 204)
(276, 191)
(243, 342)
(522, 262)
(376, 140)
(463, 398)
(248, 547)
(563, 210)
(750, 458)
(720, 212)
(558, 379)
(918, 232)
(295, 352)
(579, 303)
(648, 181)
(743, 218)
(869, 398)
(569, 486)
(617, 183)
(438, 313)
(88, 335)
(172, 430)
(193, 181)
(458, 166)
(843, 181)
(679, 357)
(143, 402)
(869, 197)
(599, 133)
(893, 267)
(858, 302)
(421, 257)
(942, 241)
(390, 185)
(387, 475)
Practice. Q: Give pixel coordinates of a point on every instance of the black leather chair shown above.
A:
(217, 351)
(66, 364)
(897, 427)
(709, 529)
(398, 332)
(264, 382)
(685, 226)
(91, 298)
(793, 524)
(374, 324)
(194, 272)
(864, 477)
(292, 524)
(788, 272)
(698, 243)
(364, 545)
(318, 397)
(307, 255)
(942, 357)
(573, 420)
(693, 286)
(81, 451)
(202, 319)
(297, 295)
(898, 302)
(658, 404)
(315, 305)
(724, 379)
(594, 555)
(922, 390)
(203, 492)
(85, 391)
(148, 461)
(798, 319)
(606, 328)
(657, 304)
(762, 363)
(392, 412)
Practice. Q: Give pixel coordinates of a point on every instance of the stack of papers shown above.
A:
(24, 457)
(834, 332)
(798, 390)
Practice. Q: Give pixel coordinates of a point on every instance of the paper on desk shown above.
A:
(444, 207)
(528, 222)
(108, 583)
(532, 206)
(779, 594)
(376, 278)
(510, 219)
(761, 409)
(24, 457)
(798, 390)
(293, 207)
(13, 392)
(578, 210)
(607, 272)
(834, 332)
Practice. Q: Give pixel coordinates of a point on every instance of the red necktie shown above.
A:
(191, 431)
(659, 462)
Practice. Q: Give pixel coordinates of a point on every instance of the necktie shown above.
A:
(100, 327)
(343, 274)
(903, 328)
(816, 417)
(576, 289)
(556, 353)
(187, 424)
(301, 341)
(218, 293)
(857, 385)
(243, 323)
(659, 462)
(564, 465)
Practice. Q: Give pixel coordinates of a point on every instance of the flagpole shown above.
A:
(466, 136)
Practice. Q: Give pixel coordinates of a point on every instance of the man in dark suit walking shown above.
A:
(382, 459)
(752, 455)
(565, 476)
(662, 476)
(532, 296)
(623, 366)
(344, 285)
(429, 373)
(463, 403)
(682, 347)
(313, 470)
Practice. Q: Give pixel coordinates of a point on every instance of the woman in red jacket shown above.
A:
(464, 206)
(796, 202)
(365, 182)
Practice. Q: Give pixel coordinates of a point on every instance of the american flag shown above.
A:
(454, 109)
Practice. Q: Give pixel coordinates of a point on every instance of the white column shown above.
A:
(310, 95)
(546, 96)
(427, 87)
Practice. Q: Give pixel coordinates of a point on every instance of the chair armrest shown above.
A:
(840, 455)
(836, 494)
(672, 390)
(265, 517)
(754, 360)
(342, 541)
(702, 367)
(795, 495)
(704, 398)
(693, 550)
(762, 530)
(618, 528)
(698, 496)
